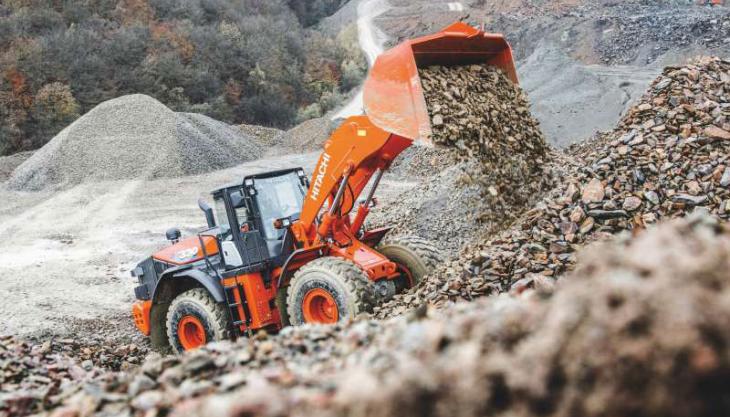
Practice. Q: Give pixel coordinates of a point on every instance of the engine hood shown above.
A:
(187, 250)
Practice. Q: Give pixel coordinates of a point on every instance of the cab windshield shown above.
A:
(278, 197)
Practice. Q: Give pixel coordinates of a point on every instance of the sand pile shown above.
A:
(131, 137)
(500, 163)
(639, 329)
(669, 155)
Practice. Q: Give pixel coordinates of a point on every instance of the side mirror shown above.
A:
(173, 235)
(208, 212)
(282, 223)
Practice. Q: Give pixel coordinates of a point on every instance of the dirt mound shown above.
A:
(639, 329)
(307, 136)
(668, 156)
(481, 120)
(134, 136)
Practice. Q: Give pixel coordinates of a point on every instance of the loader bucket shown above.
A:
(393, 96)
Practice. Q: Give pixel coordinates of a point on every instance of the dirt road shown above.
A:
(372, 41)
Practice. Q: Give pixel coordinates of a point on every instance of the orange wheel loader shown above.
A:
(281, 248)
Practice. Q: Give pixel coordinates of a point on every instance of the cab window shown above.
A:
(278, 197)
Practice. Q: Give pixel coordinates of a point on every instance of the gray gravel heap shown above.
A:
(9, 163)
(134, 137)
(308, 136)
(639, 329)
(267, 136)
(669, 155)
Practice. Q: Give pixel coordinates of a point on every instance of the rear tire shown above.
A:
(194, 319)
(414, 256)
(328, 290)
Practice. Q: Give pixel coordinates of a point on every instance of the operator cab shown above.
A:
(246, 212)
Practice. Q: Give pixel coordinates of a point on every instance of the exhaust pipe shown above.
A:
(208, 212)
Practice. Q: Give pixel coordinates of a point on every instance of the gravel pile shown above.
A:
(639, 329)
(501, 164)
(423, 161)
(266, 136)
(308, 136)
(669, 155)
(134, 137)
(9, 163)
(630, 28)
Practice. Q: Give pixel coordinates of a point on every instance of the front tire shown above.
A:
(328, 290)
(414, 256)
(194, 319)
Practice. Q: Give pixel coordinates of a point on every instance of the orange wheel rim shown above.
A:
(319, 306)
(191, 333)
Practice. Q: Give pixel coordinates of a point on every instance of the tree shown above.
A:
(54, 108)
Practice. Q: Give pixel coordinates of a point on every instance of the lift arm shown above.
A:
(354, 152)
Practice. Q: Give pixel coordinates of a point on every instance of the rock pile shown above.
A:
(32, 373)
(134, 137)
(630, 28)
(656, 306)
(669, 155)
(480, 113)
(481, 120)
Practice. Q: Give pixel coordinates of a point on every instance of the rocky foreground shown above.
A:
(640, 328)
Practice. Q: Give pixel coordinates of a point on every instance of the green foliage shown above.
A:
(309, 112)
(242, 61)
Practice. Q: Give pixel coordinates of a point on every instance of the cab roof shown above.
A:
(269, 174)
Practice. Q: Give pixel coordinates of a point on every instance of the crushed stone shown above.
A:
(134, 137)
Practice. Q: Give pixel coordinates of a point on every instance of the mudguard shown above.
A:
(210, 283)
(373, 237)
(296, 260)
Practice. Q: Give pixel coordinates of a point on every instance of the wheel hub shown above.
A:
(319, 306)
(191, 333)
(385, 289)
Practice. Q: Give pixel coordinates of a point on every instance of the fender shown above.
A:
(373, 237)
(296, 260)
(208, 282)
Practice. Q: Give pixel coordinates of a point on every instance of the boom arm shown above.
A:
(355, 151)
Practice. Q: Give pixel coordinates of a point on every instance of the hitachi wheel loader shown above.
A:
(281, 248)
